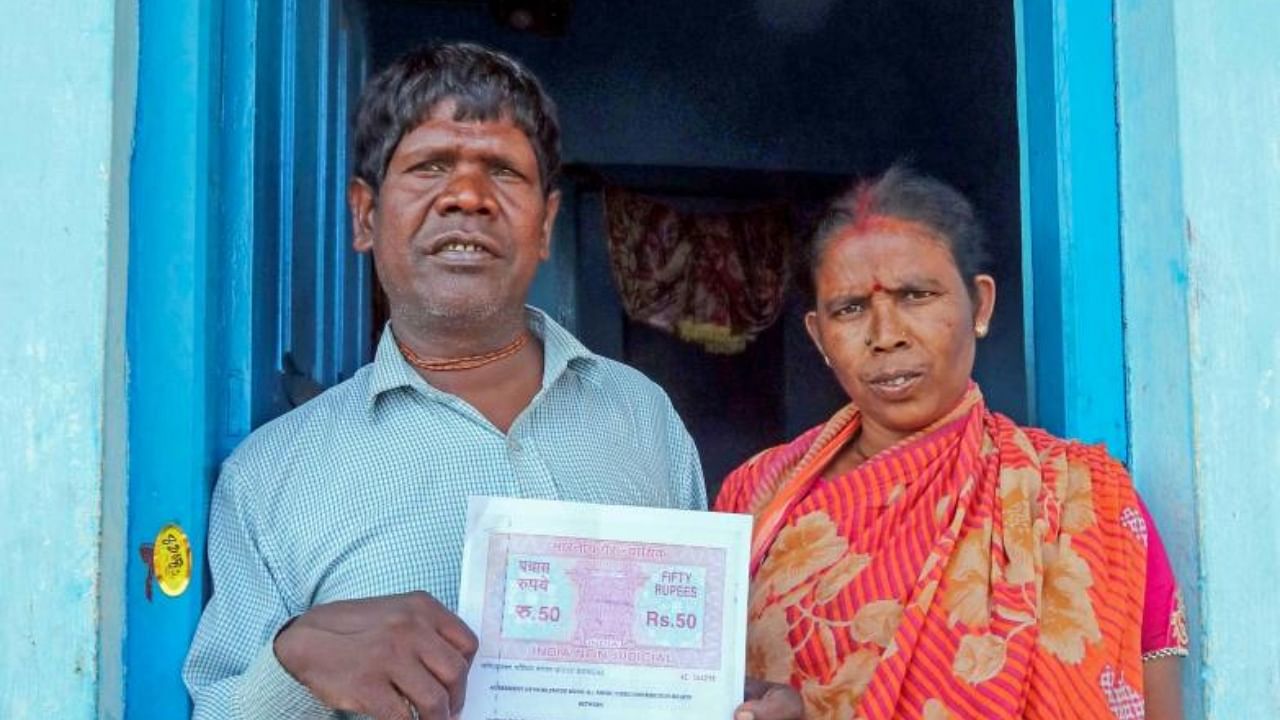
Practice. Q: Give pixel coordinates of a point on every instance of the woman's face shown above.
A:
(896, 323)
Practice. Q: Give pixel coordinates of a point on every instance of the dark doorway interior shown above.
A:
(772, 100)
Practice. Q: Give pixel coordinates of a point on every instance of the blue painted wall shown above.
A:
(1228, 70)
(65, 74)
(1156, 308)
(1200, 170)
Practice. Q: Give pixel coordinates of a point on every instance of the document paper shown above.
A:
(594, 611)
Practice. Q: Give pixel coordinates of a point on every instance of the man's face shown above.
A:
(460, 223)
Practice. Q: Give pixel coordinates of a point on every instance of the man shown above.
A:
(336, 531)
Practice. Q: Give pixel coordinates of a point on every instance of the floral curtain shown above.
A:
(715, 279)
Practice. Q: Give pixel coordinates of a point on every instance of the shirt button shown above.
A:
(514, 445)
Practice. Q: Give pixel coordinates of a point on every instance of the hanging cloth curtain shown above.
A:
(714, 279)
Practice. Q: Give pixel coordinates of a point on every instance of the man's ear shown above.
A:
(549, 223)
(361, 200)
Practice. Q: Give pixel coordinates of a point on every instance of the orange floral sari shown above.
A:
(976, 570)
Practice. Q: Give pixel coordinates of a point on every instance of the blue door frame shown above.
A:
(236, 198)
(241, 282)
(172, 212)
(1071, 220)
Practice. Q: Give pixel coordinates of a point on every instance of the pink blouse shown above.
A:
(1164, 618)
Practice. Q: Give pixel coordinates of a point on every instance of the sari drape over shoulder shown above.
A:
(976, 570)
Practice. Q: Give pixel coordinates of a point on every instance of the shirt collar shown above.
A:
(561, 351)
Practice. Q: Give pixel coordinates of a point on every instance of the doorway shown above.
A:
(753, 103)
(746, 101)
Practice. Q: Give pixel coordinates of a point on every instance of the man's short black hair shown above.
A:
(485, 85)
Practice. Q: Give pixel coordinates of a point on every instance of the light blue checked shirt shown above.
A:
(362, 492)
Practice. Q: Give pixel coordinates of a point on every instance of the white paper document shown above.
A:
(603, 612)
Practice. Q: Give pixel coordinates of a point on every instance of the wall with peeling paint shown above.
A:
(1199, 98)
(64, 75)
(1228, 69)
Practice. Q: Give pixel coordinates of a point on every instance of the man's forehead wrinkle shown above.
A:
(452, 138)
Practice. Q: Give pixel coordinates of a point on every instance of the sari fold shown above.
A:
(976, 570)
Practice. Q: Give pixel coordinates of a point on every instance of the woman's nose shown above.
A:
(885, 331)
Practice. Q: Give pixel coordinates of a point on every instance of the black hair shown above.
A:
(484, 84)
(905, 194)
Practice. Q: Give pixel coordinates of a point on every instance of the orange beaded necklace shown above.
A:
(469, 362)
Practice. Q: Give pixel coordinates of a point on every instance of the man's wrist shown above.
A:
(269, 690)
(282, 648)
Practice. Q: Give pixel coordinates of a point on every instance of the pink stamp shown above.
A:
(594, 601)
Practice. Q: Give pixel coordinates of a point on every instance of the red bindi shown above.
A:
(876, 287)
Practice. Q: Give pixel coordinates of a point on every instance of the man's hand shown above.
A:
(770, 701)
(382, 655)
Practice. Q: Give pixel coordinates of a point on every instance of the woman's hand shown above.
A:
(770, 701)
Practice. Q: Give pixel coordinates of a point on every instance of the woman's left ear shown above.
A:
(985, 304)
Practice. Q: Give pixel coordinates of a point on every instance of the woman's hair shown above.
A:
(484, 85)
(903, 194)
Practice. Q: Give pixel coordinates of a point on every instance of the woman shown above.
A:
(919, 555)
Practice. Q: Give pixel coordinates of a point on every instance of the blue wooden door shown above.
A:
(244, 297)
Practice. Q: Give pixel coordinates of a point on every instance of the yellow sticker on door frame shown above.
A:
(171, 560)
